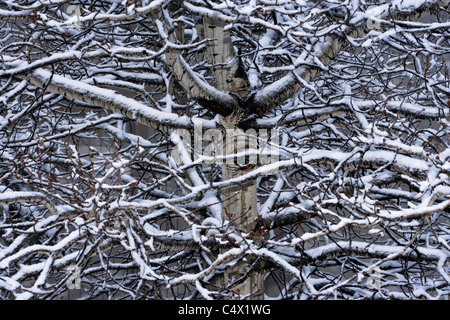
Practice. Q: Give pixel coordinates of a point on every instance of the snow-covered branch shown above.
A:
(224, 149)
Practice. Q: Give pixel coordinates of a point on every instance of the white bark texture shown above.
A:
(239, 202)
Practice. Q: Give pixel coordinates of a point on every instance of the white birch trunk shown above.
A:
(240, 206)
(240, 202)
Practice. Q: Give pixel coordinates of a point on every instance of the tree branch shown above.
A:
(202, 92)
(110, 100)
(279, 91)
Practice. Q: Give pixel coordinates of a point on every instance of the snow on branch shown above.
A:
(136, 160)
(11, 197)
(108, 99)
(325, 51)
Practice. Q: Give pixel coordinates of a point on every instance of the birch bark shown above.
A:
(239, 202)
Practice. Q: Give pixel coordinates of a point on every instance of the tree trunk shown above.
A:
(239, 203)
(240, 207)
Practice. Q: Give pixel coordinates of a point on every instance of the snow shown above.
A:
(128, 106)
(421, 210)
(19, 195)
(4, 263)
(407, 4)
(353, 164)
